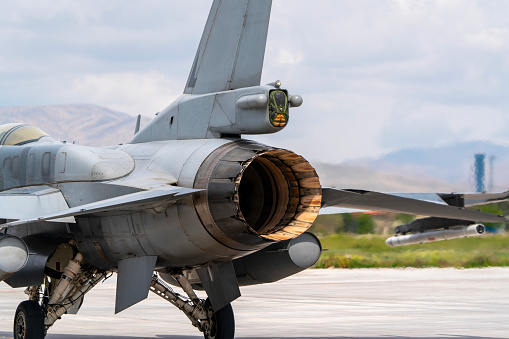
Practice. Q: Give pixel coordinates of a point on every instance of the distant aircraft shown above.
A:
(188, 201)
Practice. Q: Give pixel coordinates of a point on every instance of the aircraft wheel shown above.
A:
(29, 321)
(222, 323)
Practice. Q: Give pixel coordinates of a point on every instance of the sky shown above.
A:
(376, 76)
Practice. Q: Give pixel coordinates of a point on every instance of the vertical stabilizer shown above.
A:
(232, 47)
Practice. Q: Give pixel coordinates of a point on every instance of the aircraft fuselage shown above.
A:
(214, 225)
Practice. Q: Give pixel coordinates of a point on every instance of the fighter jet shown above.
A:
(188, 201)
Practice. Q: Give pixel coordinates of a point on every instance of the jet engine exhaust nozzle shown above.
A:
(256, 193)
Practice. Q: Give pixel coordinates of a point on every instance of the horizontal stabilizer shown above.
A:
(33, 201)
(367, 200)
(129, 202)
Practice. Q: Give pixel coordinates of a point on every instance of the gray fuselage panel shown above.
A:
(49, 163)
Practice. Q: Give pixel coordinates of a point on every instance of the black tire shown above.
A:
(223, 323)
(29, 321)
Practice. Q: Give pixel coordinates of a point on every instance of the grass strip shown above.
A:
(370, 251)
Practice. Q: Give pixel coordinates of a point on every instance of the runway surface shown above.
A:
(374, 303)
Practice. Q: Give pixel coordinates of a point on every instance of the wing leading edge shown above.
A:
(130, 202)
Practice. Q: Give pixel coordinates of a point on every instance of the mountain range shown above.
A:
(86, 124)
(441, 169)
(453, 164)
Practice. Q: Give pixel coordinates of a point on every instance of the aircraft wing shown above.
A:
(30, 202)
(130, 202)
(427, 204)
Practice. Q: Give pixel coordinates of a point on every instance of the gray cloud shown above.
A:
(375, 75)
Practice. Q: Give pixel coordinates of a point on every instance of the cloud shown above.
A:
(375, 76)
(52, 51)
(286, 57)
(396, 73)
(437, 125)
(132, 93)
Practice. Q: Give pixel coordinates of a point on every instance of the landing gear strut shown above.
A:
(63, 294)
(214, 324)
(34, 317)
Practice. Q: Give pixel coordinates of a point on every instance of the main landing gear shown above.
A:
(61, 295)
(63, 292)
(29, 321)
(214, 324)
(34, 317)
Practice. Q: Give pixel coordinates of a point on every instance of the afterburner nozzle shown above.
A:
(445, 234)
(13, 255)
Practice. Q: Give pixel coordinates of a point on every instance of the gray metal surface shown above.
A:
(212, 115)
(375, 303)
(445, 234)
(32, 201)
(133, 282)
(13, 255)
(232, 47)
(40, 248)
(469, 199)
(130, 202)
(279, 260)
(167, 162)
(389, 203)
(220, 283)
(43, 163)
(429, 224)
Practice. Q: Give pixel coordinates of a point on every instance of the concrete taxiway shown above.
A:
(375, 303)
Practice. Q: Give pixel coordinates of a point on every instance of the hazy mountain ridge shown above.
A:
(86, 124)
(441, 169)
(359, 177)
(452, 163)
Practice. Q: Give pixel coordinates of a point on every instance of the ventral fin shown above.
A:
(133, 282)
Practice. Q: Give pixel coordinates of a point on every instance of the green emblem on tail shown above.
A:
(278, 108)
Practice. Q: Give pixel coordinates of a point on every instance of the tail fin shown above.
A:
(232, 47)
